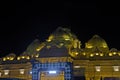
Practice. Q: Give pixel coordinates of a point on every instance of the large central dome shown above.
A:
(62, 40)
(62, 34)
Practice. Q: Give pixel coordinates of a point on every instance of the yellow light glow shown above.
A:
(91, 55)
(84, 53)
(97, 53)
(50, 38)
(119, 53)
(38, 49)
(4, 59)
(114, 53)
(88, 46)
(18, 58)
(37, 55)
(23, 57)
(8, 58)
(76, 53)
(66, 37)
(11, 58)
(110, 54)
(104, 45)
(101, 54)
(28, 57)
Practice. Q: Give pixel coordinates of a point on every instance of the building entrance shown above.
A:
(52, 75)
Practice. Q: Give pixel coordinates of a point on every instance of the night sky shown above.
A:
(21, 22)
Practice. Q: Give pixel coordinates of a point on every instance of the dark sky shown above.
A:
(21, 22)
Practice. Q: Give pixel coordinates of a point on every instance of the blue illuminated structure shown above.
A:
(66, 67)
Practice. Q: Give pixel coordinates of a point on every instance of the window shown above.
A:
(116, 68)
(22, 71)
(97, 68)
(6, 72)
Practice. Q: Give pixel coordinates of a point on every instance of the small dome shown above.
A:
(113, 50)
(96, 41)
(11, 55)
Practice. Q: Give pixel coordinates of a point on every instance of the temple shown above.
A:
(61, 57)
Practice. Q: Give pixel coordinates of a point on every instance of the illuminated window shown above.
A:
(76, 66)
(97, 68)
(6, 72)
(22, 71)
(0, 74)
(116, 68)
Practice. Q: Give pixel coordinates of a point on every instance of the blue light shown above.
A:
(31, 72)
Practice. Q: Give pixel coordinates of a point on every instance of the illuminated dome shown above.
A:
(62, 34)
(96, 41)
(62, 40)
